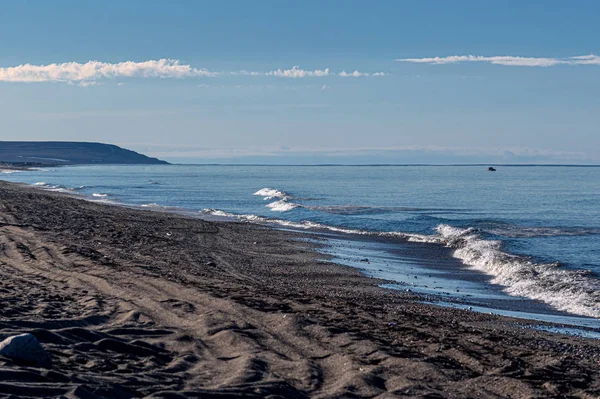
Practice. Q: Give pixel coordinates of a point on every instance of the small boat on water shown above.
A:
(491, 169)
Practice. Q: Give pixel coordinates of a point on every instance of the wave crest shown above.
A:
(270, 193)
(574, 291)
(56, 188)
(283, 204)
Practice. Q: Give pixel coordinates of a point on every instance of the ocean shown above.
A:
(526, 236)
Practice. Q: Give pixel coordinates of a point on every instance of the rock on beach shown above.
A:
(25, 348)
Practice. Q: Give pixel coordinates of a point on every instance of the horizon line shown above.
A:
(386, 164)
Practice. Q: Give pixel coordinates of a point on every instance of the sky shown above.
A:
(282, 82)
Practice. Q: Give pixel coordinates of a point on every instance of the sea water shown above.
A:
(522, 232)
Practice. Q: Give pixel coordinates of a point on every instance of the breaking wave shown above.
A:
(283, 203)
(154, 205)
(570, 290)
(270, 193)
(55, 188)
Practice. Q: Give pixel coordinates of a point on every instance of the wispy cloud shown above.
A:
(297, 72)
(357, 74)
(586, 59)
(87, 74)
(86, 83)
(243, 72)
(508, 60)
(95, 70)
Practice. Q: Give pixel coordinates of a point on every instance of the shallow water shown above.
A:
(521, 232)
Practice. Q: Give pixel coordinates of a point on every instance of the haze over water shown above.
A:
(534, 231)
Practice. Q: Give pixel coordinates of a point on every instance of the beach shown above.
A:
(138, 303)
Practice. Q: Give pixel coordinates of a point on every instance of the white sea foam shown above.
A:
(282, 206)
(247, 218)
(306, 224)
(99, 195)
(60, 189)
(49, 187)
(270, 193)
(216, 212)
(158, 206)
(575, 291)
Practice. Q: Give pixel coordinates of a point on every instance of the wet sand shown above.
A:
(133, 303)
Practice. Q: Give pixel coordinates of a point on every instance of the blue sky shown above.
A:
(265, 81)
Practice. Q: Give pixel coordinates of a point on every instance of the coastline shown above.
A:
(238, 308)
(11, 168)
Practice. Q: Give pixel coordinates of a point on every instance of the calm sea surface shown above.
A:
(533, 231)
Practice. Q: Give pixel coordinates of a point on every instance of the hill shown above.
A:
(69, 153)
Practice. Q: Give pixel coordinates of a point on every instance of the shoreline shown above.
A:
(430, 270)
(507, 254)
(472, 290)
(244, 309)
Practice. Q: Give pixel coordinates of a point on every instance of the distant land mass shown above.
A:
(69, 153)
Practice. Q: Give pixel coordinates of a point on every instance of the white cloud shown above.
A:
(95, 70)
(87, 83)
(587, 59)
(354, 74)
(357, 74)
(508, 60)
(296, 72)
(84, 74)
(243, 72)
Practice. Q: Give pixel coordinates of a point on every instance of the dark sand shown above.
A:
(133, 303)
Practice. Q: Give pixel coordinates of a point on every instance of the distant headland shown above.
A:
(28, 153)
